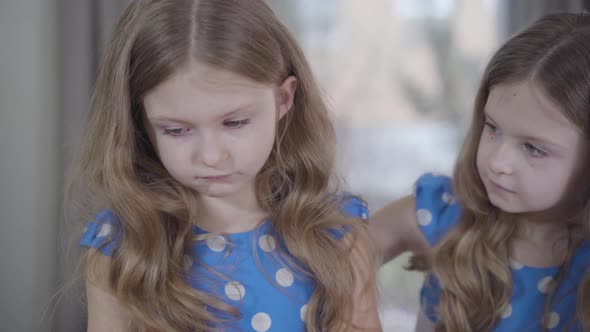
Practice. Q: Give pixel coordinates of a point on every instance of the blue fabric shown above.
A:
(438, 212)
(102, 233)
(270, 294)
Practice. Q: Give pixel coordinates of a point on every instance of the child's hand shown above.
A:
(395, 230)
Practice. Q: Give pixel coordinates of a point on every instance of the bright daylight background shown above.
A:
(399, 76)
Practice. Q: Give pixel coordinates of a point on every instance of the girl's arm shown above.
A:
(395, 230)
(104, 312)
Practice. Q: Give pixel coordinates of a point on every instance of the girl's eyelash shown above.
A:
(236, 123)
(534, 151)
(232, 124)
(176, 131)
(491, 127)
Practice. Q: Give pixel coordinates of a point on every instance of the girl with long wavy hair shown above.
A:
(207, 172)
(505, 241)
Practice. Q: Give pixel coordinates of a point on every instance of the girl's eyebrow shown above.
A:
(488, 117)
(171, 119)
(235, 111)
(543, 141)
(241, 109)
(167, 119)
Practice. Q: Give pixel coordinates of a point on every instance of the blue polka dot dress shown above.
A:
(438, 212)
(269, 293)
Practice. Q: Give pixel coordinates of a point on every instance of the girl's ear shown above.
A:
(286, 95)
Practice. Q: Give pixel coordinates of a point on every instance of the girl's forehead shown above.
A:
(203, 76)
(528, 101)
(206, 90)
(206, 79)
(523, 109)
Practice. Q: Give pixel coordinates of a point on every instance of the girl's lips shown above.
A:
(215, 177)
(500, 187)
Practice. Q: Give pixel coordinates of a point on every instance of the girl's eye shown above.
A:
(176, 131)
(236, 123)
(491, 128)
(534, 151)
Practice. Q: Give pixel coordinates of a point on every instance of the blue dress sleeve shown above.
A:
(437, 210)
(354, 207)
(102, 233)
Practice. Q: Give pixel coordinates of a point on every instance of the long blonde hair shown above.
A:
(472, 262)
(117, 167)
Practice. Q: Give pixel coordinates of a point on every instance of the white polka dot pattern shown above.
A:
(424, 217)
(216, 243)
(303, 312)
(544, 285)
(105, 230)
(507, 312)
(267, 243)
(234, 290)
(448, 198)
(261, 322)
(552, 320)
(515, 265)
(284, 277)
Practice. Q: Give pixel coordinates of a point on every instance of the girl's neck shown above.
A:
(234, 214)
(541, 240)
(541, 228)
